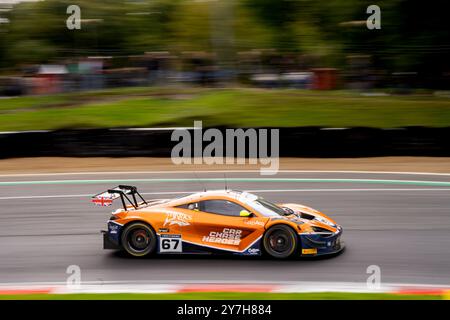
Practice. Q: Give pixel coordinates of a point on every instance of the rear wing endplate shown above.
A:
(125, 193)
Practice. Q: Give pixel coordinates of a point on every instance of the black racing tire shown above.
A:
(280, 241)
(138, 239)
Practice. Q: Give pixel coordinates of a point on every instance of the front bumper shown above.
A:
(318, 244)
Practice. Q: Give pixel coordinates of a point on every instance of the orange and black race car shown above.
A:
(214, 222)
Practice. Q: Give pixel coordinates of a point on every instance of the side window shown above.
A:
(223, 207)
(190, 206)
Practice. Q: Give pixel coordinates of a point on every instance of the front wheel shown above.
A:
(138, 239)
(280, 241)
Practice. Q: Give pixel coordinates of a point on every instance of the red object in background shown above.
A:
(325, 78)
(46, 84)
(49, 79)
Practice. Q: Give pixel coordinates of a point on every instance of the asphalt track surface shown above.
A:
(400, 222)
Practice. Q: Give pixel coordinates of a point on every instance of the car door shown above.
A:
(219, 225)
(177, 225)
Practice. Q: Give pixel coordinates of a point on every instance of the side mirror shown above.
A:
(244, 213)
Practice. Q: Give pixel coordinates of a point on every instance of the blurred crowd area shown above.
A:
(301, 44)
(264, 69)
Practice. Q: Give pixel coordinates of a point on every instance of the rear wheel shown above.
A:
(138, 239)
(280, 241)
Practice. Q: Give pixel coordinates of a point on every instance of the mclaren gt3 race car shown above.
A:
(214, 222)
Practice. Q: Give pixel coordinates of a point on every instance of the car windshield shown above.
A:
(266, 208)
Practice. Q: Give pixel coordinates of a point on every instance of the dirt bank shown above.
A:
(53, 165)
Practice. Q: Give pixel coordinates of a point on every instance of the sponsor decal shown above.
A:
(227, 236)
(253, 251)
(113, 228)
(309, 251)
(253, 222)
(177, 218)
(170, 243)
(163, 230)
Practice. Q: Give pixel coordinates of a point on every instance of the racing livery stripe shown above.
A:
(231, 250)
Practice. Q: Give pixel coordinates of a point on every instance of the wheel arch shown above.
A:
(283, 223)
(136, 220)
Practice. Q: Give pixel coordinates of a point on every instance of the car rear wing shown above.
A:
(125, 193)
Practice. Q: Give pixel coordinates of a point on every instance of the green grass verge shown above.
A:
(142, 107)
(222, 296)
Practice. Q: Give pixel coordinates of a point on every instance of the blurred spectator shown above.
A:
(12, 86)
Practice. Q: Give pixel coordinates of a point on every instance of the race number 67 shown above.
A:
(170, 245)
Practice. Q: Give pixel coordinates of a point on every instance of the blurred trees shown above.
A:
(414, 35)
(278, 15)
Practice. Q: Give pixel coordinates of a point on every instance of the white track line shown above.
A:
(260, 191)
(214, 171)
